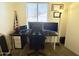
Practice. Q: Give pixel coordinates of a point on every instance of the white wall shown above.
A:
(3, 18)
(7, 18)
(72, 34)
(4, 22)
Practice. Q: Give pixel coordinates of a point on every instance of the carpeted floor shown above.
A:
(48, 51)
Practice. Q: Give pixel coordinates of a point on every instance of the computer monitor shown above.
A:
(36, 26)
(51, 26)
(23, 29)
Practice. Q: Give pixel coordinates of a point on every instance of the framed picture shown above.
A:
(55, 7)
(57, 14)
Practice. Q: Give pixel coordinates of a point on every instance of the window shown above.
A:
(42, 12)
(32, 12)
(37, 12)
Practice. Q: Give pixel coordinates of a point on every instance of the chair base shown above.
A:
(36, 53)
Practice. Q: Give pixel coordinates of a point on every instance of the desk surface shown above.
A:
(14, 34)
(50, 33)
(18, 34)
(46, 33)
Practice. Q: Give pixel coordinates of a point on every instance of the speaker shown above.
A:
(62, 40)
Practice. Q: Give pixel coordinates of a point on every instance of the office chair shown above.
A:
(4, 47)
(37, 41)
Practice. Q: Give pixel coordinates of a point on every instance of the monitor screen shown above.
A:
(23, 29)
(36, 26)
(51, 26)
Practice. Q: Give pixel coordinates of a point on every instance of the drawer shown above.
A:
(17, 41)
(18, 45)
(16, 37)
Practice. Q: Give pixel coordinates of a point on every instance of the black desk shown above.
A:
(45, 32)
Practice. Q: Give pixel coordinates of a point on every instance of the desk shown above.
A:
(46, 33)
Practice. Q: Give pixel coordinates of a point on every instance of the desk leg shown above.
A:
(54, 43)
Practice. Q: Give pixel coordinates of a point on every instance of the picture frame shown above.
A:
(55, 7)
(56, 14)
